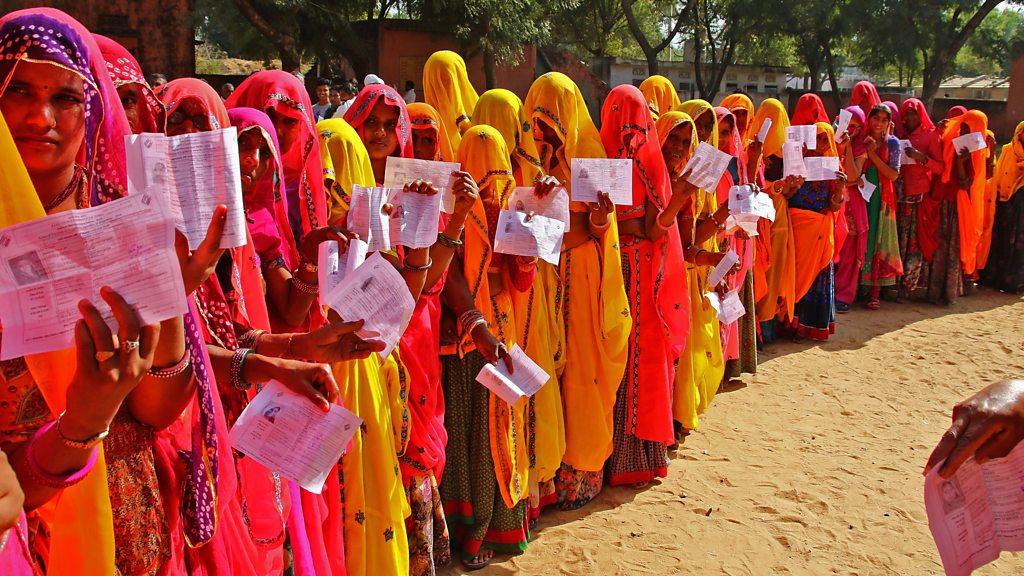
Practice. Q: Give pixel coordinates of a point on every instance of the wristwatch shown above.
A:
(86, 444)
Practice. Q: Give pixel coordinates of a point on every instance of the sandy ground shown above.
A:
(811, 467)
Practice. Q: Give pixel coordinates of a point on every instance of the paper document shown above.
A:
(973, 142)
(867, 189)
(706, 166)
(376, 293)
(540, 237)
(194, 173)
(793, 160)
(554, 205)
(806, 134)
(744, 222)
(613, 176)
(48, 265)
(724, 265)
(821, 168)
(332, 267)
(844, 122)
(414, 218)
(905, 159)
(292, 436)
(366, 218)
(527, 379)
(398, 172)
(732, 308)
(763, 132)
(743, 201)
(977, 513)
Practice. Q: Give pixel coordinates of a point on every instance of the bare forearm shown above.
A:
(157, 402)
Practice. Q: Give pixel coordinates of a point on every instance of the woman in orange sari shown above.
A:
(813, 209)
(652, 265)
(661, 95)
(447, 88)
(590, 301)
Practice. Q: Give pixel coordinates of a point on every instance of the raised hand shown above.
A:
(335, 342)
(197, 265)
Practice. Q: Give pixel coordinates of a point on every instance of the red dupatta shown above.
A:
(124, 70)
(363, 105)
(628, 132)
(865, 96)
(809, 110)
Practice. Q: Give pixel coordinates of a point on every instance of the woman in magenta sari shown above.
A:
(652, 265)
(144, 111)
(851, 251)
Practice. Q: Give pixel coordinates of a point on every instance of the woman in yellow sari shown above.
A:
(372, 493)
(591, 299)
(661, 95)
(541, 337)
(447, 88)
(485, 485)
(701, 365)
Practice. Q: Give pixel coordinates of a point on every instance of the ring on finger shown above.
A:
(104, 355)
(129, 346)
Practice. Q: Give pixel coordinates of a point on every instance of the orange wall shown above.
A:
(404, 52)
(1015, 101)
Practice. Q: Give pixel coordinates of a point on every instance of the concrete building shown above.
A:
(158, 32)
(973, 88)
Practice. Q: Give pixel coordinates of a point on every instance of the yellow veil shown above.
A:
(502, 110)
(660, 94)
(346, 163)
(447, 88)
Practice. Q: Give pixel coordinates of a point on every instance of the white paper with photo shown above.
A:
(613, 176)
(763, 132)
(366, 218)
(867, 189)
(844, 122)
(414, 218)
(194, 173)
(540, 237)
(332, 267)
(554, 205)
(526, 380)
(48, 265)
(793, 160)
(973, 142)
(732, 307)
(398, 172)
(706, 166)
(290, 435)
(905, 159)
(977, 513)
(821, 168)
(806, 134)
(724, 265)
(744, 201)
(377, 294)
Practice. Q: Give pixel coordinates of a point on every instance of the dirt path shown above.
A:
(811, 467)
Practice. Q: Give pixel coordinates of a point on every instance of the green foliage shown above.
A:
(989, 49)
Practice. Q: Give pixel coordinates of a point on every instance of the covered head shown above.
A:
(502, 110)
(865, 95)
(380, 117)
(809, 110)
(915, 117)
(144, 111)
(772, 109)
(192, 105)
(429, 136)
(660, 94)
(560, 119)
(447, 88)
(703, 114)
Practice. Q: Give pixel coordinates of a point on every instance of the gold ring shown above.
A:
(129, 346)
(104, 355)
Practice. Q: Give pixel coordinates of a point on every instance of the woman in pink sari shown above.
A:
(144, 111)
(851, 251)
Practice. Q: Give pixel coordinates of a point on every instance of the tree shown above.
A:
(720, 29)
(650, 50)
(593, 26)
(989, 50)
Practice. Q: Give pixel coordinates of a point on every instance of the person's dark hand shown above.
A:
(335, 342)
(197, 265)
(916, 155)
(600, 210)
(315, 382)
(309, 251)
(986, 426)
(421, 187)
(490, 347)
(545, 185)
(681, 186)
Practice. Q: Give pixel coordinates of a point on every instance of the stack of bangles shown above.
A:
(236, 378)
(58, 482)
(305, 287)
(176, 370)
(251, 339)
(444, 240)
(470, 319)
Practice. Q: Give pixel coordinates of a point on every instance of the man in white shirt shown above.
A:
(323, 98)
(410, 92)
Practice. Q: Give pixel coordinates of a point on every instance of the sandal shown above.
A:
(481, 560)
(842, 307)
(874, 304)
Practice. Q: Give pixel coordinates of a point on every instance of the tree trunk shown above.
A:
(931, 81)
(651, 52)
(830, 64)
(490, 74)
(944, 51)
(287, 48)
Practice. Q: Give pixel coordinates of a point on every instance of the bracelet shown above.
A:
(85, 444)
(305, 287)
(599, 228)
(470, 318)
(426, 266)
(476, 323)
(662, 226)
(237, 364)
(171, 371)
(52, 480)
(249, 339)
(307, 267)
(444, 240)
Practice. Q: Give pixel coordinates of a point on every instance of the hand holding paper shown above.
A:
(706, 166)
(972, 142)
(539, 236)
(402, 171)
(526, 379)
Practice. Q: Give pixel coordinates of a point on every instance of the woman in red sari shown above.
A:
(144, 111)
(652, 265)
(809, 110)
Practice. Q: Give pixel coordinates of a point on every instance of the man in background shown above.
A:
(323, 98)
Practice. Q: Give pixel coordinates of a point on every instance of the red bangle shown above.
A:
(52, 480)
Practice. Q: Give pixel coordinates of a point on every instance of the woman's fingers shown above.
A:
(128, 322)
(100, 333)
(85, 349)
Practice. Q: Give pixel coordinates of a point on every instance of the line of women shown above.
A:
(120, 445)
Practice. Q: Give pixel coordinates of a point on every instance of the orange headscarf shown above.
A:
(970, 201)
(423, 116)
(813, 233)
(660, 94)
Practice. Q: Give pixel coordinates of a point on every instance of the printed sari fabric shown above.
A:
(660, 313)
(590, 298)
(882, 264)
(447, 88)
(660, 94)
(1005, 267)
